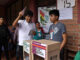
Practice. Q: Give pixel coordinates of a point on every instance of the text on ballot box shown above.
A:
(39, 49)
(26, 47)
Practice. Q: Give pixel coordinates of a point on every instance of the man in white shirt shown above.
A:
(25, 30)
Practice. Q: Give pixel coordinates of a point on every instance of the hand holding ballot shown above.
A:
(34, 33)
(20, 14)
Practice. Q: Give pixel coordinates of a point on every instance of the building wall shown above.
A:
(14, 9)
(32, 6)
(2, 11)
(73, 31)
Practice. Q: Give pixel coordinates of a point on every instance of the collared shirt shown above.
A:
(24, 30)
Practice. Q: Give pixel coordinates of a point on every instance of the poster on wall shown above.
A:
(43, 17)
(65, 4)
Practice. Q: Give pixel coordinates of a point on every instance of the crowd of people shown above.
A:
(27, 30)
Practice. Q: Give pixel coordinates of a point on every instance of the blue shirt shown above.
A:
(58, 29)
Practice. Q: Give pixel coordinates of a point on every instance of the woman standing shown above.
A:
(39, 32)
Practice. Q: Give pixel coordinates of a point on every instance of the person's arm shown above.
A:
(17, 19)
(42, 30)
(9, 35)
(64, 35)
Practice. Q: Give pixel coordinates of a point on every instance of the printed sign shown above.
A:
(26, 47)
(65, 4)
(39, 49)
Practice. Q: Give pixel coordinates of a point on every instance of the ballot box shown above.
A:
(41, 50)
(45, 50)
(27, 47)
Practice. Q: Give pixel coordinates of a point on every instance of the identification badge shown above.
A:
(51, 34)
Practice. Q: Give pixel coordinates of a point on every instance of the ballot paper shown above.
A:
(23, 11)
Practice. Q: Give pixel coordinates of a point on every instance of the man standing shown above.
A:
(25, 30)
(4, 38)
(57, 31)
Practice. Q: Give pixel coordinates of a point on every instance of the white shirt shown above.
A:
(24, 31)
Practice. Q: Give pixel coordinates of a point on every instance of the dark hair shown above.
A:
(28, 13)
(54, 12)
(2, 18)
(4, 21)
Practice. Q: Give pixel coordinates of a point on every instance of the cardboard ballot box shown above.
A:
(45, 50)
(41, 50)
(27, 47)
